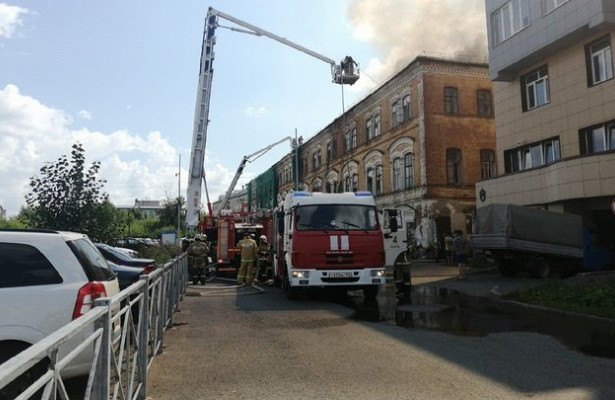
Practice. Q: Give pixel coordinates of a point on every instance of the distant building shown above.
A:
(552, 66)
(237, 203)
(146, 208)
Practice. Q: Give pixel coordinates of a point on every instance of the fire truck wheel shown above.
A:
(291, 292)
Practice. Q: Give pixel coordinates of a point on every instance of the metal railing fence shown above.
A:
(123, 333)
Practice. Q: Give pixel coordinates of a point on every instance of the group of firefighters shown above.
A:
(255, 259)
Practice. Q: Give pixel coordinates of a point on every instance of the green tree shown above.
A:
(68, 196)
(167, 215)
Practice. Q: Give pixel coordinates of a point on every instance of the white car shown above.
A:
(47, 279)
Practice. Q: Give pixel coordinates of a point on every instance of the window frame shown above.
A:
(510, 19)
(451, 100)
(406, 107)
(484, 103)
(550, 5)
(532, 155)
(599, 53)
(487, 163)
(607, 138)
(408, 170)
(453, 166)
(530, 86)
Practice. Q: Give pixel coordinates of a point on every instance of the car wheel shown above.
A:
(10, 349)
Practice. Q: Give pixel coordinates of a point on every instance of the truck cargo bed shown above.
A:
(505, 242)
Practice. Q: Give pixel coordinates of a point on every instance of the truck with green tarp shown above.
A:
(524, 238)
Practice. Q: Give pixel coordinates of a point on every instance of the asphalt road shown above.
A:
(253, 343)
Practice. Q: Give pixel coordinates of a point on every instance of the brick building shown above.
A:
(419, 143)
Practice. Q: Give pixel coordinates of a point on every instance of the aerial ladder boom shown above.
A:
(346, 72)
(242, 164)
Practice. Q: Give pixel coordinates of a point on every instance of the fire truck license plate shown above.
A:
(346, 274)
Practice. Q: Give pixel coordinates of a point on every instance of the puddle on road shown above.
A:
(447, 310)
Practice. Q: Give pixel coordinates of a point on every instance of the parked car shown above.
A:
(116, 256)
(47, 279)
(129, 252)
(126, 275)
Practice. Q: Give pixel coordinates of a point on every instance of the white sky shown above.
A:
(120, 77)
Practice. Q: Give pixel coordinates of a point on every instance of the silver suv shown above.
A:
(47, 279)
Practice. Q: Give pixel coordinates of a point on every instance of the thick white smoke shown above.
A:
(401, 30)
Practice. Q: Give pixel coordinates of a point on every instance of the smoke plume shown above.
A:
(401, 30)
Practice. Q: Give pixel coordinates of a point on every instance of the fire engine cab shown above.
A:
(328, 240)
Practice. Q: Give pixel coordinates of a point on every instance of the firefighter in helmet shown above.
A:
(401, 273)
(197, 258)
(249, 252)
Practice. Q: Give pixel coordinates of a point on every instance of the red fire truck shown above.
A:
(328, 240)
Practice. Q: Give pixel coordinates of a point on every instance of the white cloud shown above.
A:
(85, 114)
(10, 19)
(255, 112)
(32, 134)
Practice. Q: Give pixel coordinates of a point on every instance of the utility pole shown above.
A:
(179, 190)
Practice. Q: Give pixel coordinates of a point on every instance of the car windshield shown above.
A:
(336, 216)
(117, 253)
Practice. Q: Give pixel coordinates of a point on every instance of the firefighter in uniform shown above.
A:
(401, 273)
(264, 251)
(249, 252)
(197, 259)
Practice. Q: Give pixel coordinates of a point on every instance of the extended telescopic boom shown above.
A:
(346, 72)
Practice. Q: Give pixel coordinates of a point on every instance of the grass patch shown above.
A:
(593, 297)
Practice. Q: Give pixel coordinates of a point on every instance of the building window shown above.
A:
(599, 61)
(484, 103)
(535, 88)
(453, 166)
(378, 179)
(331, 150)
(369, 129)
(451, 100)
(331, 186)
(372, 127)
(509, 19)
(406, 107)
(347, 140)
(396, 113)
(487, 164)
(316, 160)
(353, 138)
(532, 156)
(351, 182)
(598, 138)
(398, 174)
(408, 170)
(371, 179)
(551, 5)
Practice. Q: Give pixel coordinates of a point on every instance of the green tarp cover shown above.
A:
(525, 223)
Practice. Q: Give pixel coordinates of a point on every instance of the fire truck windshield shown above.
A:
(336, 216)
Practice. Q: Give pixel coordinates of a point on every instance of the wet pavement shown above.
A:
(474, 307)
